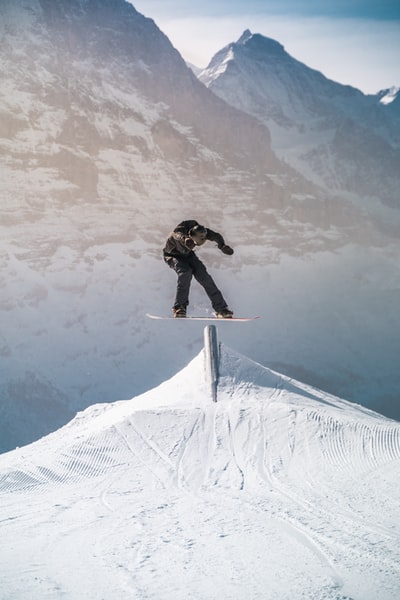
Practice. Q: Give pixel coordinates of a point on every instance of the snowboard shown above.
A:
(233, 319)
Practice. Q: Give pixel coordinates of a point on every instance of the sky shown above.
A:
(354, 42)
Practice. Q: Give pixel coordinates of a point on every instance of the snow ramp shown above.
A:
(263, 423)
(277, 490)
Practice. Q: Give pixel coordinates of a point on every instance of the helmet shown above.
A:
(198, 233)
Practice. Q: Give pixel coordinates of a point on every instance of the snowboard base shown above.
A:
(219, 319)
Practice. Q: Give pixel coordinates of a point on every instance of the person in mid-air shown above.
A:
(179, 255)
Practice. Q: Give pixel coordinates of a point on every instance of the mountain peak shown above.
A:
(256, 41)
(248, 47)
(246, 35)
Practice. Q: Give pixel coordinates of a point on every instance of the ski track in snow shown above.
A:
(268, 493)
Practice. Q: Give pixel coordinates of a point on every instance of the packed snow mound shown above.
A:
(263, 408)
(273, 492)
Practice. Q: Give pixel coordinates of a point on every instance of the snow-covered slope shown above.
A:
(277, 491)
(334, 134)
(389, 96)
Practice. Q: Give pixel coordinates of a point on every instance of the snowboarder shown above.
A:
(179, 255)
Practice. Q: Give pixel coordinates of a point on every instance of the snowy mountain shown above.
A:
(339, 137)
(107, 141)
(277, 491)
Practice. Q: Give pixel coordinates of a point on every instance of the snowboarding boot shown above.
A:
(225, 313)
(179, 312)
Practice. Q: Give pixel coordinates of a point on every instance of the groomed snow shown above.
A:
(277, 491)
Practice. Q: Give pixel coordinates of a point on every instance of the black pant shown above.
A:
(189, 267)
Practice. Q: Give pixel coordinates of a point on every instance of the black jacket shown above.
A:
(175, 246)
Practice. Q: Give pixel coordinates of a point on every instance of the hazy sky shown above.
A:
(355, 42)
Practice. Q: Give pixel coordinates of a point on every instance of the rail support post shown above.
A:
(211, 355)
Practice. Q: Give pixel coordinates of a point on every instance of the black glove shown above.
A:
(227, 250)
(189, 243)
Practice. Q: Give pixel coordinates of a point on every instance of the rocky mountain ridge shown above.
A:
(339, 137)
